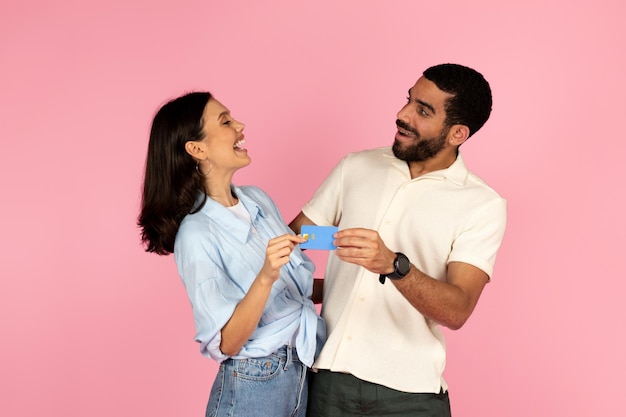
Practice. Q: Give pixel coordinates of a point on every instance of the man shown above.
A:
(417, 241)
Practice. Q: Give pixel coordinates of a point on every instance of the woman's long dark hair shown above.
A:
(171, 183)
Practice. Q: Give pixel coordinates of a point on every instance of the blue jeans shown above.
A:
(275, 385)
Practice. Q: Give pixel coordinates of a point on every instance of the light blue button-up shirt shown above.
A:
(219, 256)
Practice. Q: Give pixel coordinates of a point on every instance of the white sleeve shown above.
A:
(324, 208)
(478, 244)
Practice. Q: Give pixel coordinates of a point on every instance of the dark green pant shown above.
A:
(334, 394)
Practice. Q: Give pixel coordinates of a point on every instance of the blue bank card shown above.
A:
(319, 237)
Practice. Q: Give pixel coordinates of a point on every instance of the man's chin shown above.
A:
(398, 152)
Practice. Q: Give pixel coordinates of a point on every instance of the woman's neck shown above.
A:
(221, 192)
(226, 199)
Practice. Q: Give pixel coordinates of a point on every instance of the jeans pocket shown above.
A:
(259, 369)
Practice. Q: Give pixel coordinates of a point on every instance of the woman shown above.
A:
(247, 279)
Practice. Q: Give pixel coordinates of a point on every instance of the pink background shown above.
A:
(92, 325)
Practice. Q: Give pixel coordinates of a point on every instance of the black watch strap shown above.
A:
(401, 267)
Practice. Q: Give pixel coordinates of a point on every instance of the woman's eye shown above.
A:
(227, 122)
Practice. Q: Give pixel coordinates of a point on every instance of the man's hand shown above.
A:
(364, 247)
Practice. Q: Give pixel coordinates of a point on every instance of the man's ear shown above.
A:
(458, 134)
(195, 149)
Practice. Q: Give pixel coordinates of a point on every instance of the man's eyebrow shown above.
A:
(423, 103)
(427, 105)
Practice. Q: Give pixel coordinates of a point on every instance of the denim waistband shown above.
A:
(286, 352)
(289, 353)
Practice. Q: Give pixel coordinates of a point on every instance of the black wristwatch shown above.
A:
(401, 267)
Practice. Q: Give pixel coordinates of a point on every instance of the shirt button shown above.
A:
(361, 299)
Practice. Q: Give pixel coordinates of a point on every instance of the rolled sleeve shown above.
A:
(213, 300)
(482, 237)
(324, 208)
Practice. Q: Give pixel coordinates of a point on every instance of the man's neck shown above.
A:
(440, 161)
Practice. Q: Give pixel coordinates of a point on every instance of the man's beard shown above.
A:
(423, 149)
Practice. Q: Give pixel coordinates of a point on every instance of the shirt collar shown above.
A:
(456, 173)
(225, 219)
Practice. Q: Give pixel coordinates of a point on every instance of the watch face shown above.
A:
(403, 265)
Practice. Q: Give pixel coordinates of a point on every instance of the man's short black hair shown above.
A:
(471, 101)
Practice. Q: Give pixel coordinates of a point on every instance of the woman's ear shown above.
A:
(458, 134)
(195, 149)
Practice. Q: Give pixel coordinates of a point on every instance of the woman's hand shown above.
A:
(277, 254)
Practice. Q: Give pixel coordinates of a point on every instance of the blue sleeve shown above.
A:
(213, 296)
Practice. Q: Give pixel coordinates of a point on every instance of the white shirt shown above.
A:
(440, 217)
